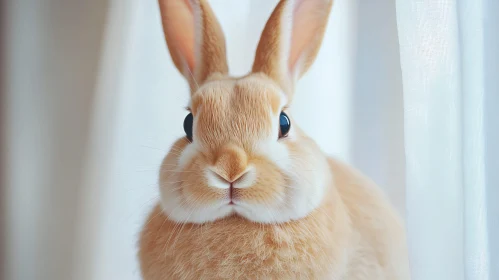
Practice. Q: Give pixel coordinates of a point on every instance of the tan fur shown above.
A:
(351, 233)
(305, 45)
(227, 105)
(234, 248)
(354, 235)
(268, 53)
(196, 63)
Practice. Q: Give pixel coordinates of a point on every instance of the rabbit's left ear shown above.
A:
(291, 40)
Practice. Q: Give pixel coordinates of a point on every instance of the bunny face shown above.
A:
(239, 162)
(242, 154)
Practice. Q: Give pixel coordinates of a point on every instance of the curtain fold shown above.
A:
(446, 68)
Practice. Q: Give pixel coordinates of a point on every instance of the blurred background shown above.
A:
(92, 102)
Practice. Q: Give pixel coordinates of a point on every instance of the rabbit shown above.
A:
(246, 194)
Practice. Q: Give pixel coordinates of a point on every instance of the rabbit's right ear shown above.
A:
(195, 39)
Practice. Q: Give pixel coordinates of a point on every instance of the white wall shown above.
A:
(132, 98)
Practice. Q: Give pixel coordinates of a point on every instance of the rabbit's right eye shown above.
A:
(188, 121)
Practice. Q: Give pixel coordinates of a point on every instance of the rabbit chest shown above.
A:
(235, 248)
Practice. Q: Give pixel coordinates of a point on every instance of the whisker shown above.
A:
(155, 216)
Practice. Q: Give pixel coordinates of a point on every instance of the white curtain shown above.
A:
(449, 52)
(409, 90)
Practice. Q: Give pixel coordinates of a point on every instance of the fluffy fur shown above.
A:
(353, 235)
(239, 202)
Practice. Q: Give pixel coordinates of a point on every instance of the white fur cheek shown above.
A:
(275, 152)
(278, 154)
(310, 178)
(173, 204)
(187, 155)
(185, 214)
(300, 201)
(305, 192)
(176, 209)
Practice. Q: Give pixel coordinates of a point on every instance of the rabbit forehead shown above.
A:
(255, 89)
(237, 109)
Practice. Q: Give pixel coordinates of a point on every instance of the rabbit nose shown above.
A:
(244, 180)
(224, 180)
(231, 163)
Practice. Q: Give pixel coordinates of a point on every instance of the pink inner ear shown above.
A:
(180, 29)
(307, 20)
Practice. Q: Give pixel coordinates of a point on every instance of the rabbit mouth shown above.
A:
(231, 194)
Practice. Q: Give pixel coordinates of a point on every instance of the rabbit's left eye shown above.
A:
(284, 125)
(188, 121)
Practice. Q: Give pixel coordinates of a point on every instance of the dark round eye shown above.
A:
(284, 125)
(189, 119)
